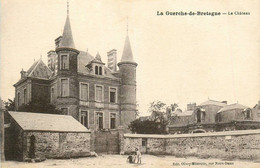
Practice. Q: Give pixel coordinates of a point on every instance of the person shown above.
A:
(131, 158)
(139, 156)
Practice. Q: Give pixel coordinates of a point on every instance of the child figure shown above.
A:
(139, 156)
(131, 158)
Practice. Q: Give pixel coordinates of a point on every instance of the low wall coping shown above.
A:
(169, 136)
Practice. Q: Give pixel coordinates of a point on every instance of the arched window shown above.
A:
(100, 70)
(96, 70)
(248, 114)
(200, 115)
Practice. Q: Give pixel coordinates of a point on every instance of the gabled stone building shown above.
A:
(39, 136)
(79, 84)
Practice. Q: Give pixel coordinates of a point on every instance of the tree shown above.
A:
(161, 115)
(9, 105)
(39, 105)
(144, 127)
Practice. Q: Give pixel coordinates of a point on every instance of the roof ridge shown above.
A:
(37, 63)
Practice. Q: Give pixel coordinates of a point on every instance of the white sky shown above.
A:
(180, 59)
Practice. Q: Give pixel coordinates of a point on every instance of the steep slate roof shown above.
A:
(127, 55)
(213, 102)
(83, 59)
(232, 107)
(67, 38)
(47, 122)
(39, 70)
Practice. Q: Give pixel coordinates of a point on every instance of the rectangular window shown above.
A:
(64, 62)
(52, 94)
(112, 121)
(99, 93)
(25, 96)
(64, 87)
(18, 99)
(99, 120)
(64, 111)
(84, 91)
(84, 118)
(112, 95)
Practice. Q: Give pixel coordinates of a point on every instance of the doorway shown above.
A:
(144, 145)
(32, 147)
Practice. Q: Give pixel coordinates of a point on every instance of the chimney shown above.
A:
(23, 73)
(57, 41)
(224, 102)
(112, 60)
(191, 106)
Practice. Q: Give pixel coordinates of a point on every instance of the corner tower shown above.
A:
(127, 70)
(67, 81)
(67, 54)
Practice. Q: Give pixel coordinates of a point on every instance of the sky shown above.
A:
(181, 59)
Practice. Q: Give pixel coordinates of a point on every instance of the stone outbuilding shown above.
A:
(35, 135)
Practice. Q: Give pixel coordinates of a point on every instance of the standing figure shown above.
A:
(139, 156)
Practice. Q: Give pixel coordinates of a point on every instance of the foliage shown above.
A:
(9, 105)
(39, 105)
(161, 114)
(144, 127)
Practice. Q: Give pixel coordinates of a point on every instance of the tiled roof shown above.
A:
(47, 122)
(232, 107)
(213, 102)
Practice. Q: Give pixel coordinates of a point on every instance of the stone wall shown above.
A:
(57, 144)
(227, 145)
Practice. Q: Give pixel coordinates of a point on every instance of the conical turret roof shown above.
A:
(127, 55)
(67, 38)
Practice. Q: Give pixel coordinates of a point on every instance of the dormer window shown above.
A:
(64, 62)
(200, 116)
(98, 70)
(247, 114)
